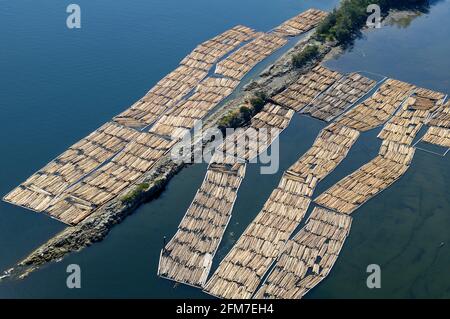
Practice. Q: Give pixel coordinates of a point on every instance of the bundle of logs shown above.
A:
(439, 131)
(241, 271)
(406, 123)
(181, 119)
(205, 55)
(265, 126)
(81, 199)
(301, 23)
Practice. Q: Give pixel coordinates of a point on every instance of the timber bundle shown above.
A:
(83, 157)
(163, 96)
(339, 97)
(307, 88)
(441, 117)
(369, 180)
(439, 131)
(377, 109)
(301, 23)
(265, 126)
(205, 55)
(241, 271)
(308, 257)
(208, 95)
(239, 63)
(187, 258)
(80, 200)
(406, 123)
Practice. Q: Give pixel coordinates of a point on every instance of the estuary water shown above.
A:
(57, 85)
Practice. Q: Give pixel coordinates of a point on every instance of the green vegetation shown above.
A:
(242, 115)
(131, 196)
(308, 53)
(344, 23)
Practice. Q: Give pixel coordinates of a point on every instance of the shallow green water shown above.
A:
(62, 85)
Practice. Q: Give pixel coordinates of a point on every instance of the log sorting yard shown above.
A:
(272, 258)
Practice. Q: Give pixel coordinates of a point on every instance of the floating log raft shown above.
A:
(205, 55)
(239, 63)
(301, 23)
(339, 97)
(407, 122)
(188, 256)
(37, 192)
(427, 94)
(177, 84)
(207, 96)
(96, 189)
(307, 88)
(308, 257)
(376, 110)
(369, 180)
(329, 149)
(264, 128)
(163, 96)
(437, 135)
